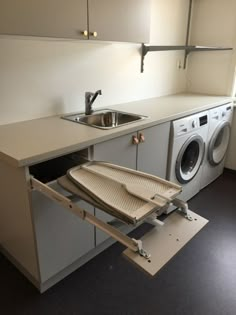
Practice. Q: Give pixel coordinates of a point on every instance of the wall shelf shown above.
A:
(187, 48)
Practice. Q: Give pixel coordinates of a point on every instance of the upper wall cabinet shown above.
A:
(120, 20)
(107, 20)
(52, 18)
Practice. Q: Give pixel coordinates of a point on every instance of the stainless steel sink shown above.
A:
(105, 119)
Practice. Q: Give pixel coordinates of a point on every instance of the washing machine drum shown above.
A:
(219, 143)
(189, 159)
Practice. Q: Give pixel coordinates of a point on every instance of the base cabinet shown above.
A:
(101, 236)
(145, 150)
(153, 152)
(47, 240)
(119, 151)
(61, 236)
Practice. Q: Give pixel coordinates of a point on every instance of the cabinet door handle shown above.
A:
(141, 138)
(135, 140)
(85, 33)
(94, 34)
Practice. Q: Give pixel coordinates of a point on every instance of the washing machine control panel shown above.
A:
(194, 124)
(226, 112)
(203, 120)
(214, 114)
(188, 124)
(223, 112)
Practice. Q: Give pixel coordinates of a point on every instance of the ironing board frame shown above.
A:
(131, 243)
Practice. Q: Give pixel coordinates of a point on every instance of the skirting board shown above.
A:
(163, 242)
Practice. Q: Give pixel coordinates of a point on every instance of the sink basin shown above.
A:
(105, 119)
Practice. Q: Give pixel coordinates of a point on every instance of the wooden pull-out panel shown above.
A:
(163, 242)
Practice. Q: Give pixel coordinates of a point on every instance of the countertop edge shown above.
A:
(120, 131)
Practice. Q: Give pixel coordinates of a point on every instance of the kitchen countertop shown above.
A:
(29, 142)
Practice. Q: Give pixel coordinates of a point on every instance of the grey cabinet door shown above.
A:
(52, 18)
(119, 151)
(61, 236)
(153, 152)
(120, 20)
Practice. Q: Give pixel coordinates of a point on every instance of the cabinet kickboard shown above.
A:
(163, 242)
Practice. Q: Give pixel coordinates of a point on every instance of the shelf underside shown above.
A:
(187, 48)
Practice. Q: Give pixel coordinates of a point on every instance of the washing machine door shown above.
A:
(189, 159)
(219, 143)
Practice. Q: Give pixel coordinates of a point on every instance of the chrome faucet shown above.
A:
(89, 99)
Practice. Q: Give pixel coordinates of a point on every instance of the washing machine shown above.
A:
(220, 119)
(186, 153)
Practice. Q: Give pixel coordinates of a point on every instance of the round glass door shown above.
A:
(189, 159)
(219, 143)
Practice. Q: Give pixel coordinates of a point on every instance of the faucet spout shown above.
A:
(89, 100)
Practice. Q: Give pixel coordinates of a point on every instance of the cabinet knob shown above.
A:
(94, 34)
(135, 140)
(141, 138)
(85, 33)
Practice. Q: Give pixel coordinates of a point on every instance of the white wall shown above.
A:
(213, 24)
(41, 77)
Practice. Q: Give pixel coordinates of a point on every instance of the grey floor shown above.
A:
(199, 280)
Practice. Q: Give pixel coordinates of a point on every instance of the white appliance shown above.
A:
(186, 153)
(220, 119)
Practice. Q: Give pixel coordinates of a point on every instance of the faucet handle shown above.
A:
(89, 99)
(88, 94)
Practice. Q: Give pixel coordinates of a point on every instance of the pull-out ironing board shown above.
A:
(124, 193)
(132, 197)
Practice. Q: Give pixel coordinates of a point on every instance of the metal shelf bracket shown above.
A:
(186, 48)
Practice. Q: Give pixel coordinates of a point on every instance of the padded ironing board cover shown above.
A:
(125, 193)
(68, 185)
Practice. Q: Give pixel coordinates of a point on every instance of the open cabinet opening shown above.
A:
(50, 170)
